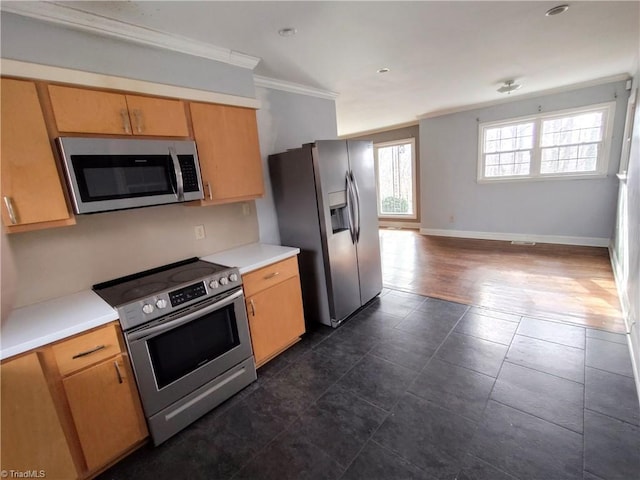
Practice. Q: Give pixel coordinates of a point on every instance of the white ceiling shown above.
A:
(441, 55)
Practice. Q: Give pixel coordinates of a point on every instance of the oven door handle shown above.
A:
(144, 333)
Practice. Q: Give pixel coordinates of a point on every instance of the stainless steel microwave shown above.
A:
(113, 174)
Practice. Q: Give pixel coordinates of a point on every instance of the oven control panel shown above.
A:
(186, 294)
(168, 301)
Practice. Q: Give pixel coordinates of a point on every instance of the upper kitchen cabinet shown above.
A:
(79, 110)
(32, 191)
(229, 152)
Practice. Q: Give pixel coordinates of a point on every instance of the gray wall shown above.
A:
(555, 208)
(33, 41)
(287, 120)
(626, 244)
(400, 134)
(45, 264)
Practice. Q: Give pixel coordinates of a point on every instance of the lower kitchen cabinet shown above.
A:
(32, 435)
(70, 420)
(274, 308)
(106, 411)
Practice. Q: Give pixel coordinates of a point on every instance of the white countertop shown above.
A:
(253, 256)
(45, 322)
(36, 325)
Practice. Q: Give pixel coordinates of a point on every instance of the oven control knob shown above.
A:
(147, 308)
(233, 277)
(161, 303)
(224, 280)
(214, 284)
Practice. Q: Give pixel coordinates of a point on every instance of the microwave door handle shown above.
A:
(178, 170)
(173, 187)
(187, 318)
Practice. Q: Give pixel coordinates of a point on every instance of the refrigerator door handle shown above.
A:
(357, 208)
(352, 229)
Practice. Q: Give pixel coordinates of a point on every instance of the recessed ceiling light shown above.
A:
(557, 10)
(383, 70)
(287, 32)
(509, 86)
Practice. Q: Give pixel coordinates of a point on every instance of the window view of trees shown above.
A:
(395, 170)
(546, 145)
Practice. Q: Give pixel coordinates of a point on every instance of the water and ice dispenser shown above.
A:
(339, 213)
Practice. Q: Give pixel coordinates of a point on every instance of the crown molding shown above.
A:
(49, 73)
(390, 128)
(268, 82)
(566, 88)
(69, 17)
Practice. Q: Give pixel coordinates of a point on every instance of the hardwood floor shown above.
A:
(557, 282)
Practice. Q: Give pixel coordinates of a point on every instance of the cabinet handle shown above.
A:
(253, 308)
(126, 125)
(12, 214)
(137, 114)
(271, 275)
(88, 352)
(118, 371)
(209, 190)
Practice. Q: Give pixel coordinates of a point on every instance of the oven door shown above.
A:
(174, 355)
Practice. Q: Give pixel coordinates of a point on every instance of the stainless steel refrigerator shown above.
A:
(325, 197)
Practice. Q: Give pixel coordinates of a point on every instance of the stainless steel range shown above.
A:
(187, 332)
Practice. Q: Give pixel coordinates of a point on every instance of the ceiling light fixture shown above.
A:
(383, 70)
(287, 32)
(509, 86)
(557, 10)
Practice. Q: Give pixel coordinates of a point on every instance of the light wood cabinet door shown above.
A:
(32, 436)
(157, 116)
(105, 409)
(32, 190)
(276, 319)
(228, 151)
(79, 110)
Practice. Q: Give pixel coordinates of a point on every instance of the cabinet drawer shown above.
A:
(265, 277)
(86, 349)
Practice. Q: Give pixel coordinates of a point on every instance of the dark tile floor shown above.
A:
(418, 388)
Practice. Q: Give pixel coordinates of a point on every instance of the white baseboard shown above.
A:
(389, 223)
(519, 237)
(634, 365)
(622, 292)
(626, 314)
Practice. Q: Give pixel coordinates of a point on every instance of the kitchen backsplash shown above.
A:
(55, 262)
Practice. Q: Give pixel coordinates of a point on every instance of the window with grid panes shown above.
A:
(558, 144)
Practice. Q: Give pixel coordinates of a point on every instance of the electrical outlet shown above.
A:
(199, 231)
(246, 209)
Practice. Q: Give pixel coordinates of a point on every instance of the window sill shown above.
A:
(597, 176)
(407, 218)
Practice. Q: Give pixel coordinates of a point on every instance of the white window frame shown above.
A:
(391, 143)
(602, 164)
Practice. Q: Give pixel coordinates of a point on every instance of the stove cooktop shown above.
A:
(150, 294)
(149, 282)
